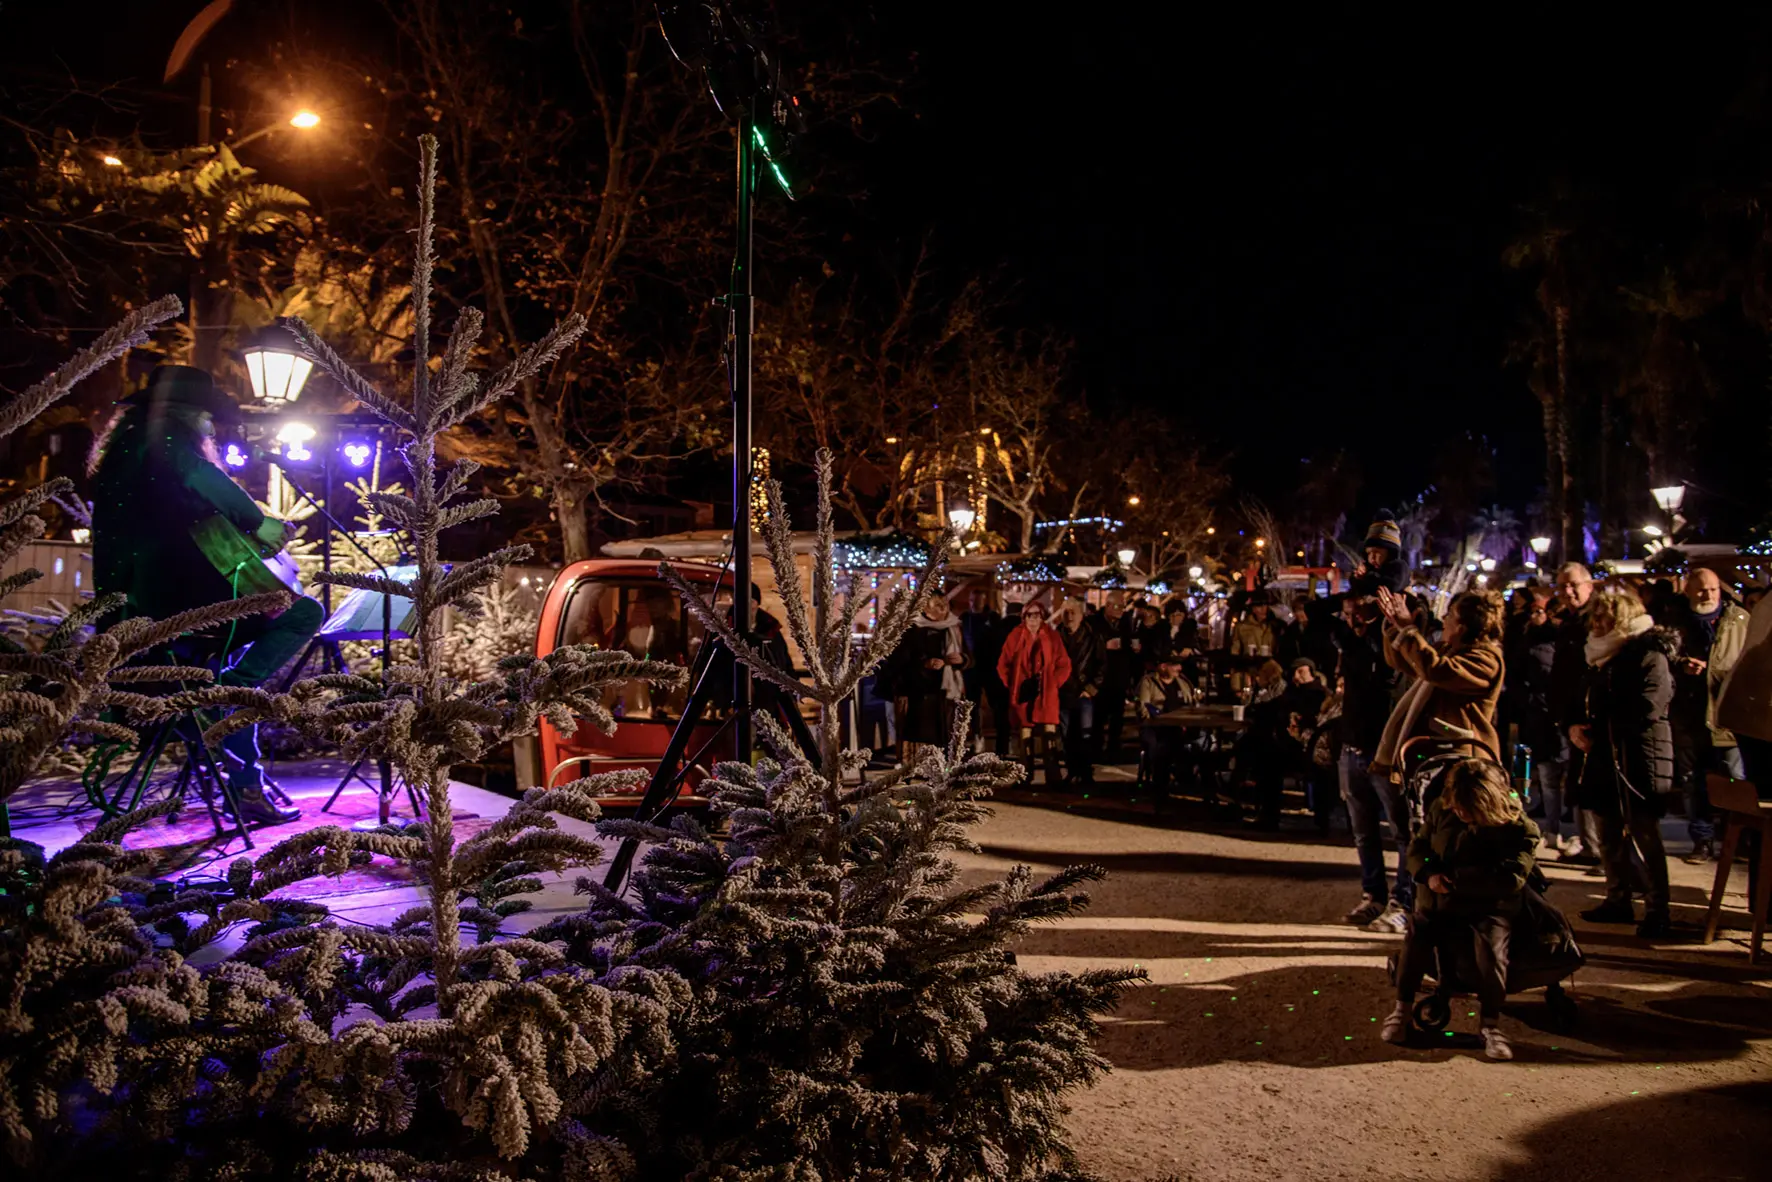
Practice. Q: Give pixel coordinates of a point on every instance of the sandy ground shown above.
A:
(1253, 1053)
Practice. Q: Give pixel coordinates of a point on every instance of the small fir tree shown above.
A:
(854, 1012)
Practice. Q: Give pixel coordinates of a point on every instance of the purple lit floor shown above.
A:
(53, 814)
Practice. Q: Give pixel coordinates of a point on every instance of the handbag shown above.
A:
(1028, 692)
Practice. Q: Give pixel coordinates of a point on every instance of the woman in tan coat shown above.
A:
(1456, 682)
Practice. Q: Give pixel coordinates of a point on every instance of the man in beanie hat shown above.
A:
(155, 476)
(1384, 566)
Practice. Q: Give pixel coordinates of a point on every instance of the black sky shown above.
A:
(1285, 226)
(1288, 225)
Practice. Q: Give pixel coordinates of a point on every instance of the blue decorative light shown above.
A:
(887, 551)
(357, 454)
(1035, 569)
(233, 457)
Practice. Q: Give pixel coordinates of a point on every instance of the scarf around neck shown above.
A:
(1601, 649)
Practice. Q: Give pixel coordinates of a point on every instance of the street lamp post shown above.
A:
(275, 365)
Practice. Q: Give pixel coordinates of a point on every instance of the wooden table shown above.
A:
(1200, 718)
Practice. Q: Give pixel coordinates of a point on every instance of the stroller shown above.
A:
(1542, 952)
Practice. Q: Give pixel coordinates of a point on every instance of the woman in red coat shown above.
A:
(1033, 665)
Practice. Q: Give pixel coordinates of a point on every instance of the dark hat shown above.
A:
(1261, 599)
(1301, 662)
(186, 385)
(1385, 533)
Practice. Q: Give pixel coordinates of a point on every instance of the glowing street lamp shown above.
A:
(113, 162)
(1669, 497)
(1541, 546)
(1488, 564)
(1126, 556)
(1653, 531)
(304, 119)
(1132, 500)
(961, 518)
(1196, 573)
(275, 365)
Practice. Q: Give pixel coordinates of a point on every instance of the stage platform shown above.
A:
(53, 813)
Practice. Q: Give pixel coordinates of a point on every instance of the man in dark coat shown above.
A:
(1531, 655)
(1121, 670)
(1369, 684)
(1077, 696)
(1575, 589)
(155, 478)
(982, 631)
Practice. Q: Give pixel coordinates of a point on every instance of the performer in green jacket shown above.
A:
(155, 477)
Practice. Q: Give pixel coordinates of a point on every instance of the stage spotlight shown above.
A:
(292, 436)
(357, 454)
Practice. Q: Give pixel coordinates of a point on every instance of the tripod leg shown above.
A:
(666, 777)
(333, 799)
(144, 766)
(207, 762)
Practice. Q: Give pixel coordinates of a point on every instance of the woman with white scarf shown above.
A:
(1628, 755)
(925, 676)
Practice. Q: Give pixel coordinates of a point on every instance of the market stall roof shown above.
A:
(706, 544)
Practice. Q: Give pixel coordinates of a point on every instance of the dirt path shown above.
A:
(1254, 1051)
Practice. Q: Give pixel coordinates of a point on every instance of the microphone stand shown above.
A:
(386, 791)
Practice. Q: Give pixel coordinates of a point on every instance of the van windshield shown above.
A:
(645, 619)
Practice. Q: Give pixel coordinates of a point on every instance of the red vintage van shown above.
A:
(612, 603)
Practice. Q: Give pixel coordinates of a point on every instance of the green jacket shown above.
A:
(1488, 864)
(151, 485)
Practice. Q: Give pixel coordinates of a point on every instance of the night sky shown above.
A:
(1286, 228)
(1289, 227)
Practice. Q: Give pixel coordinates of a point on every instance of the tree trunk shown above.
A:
(1609, 540)
(575, 527)
(1569, 532)
(1027, 529)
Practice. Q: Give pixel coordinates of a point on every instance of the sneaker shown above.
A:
(1396, 1026)
(1393, 920)
(1368, 910)
(1655, 926)
(1610, 912)
(1495, 1045)
(1702, 852)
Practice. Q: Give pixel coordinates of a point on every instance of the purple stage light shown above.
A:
(234, 457)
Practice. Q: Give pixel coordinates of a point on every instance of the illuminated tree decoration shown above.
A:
(1035, 569)
(759, 488)
(885, 551)
(1109, 578)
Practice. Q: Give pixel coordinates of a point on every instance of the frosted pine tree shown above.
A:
(854, 1011)
(321, 1049)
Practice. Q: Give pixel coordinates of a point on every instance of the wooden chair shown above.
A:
(1743, 812)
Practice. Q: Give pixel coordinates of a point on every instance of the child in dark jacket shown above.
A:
(1473, 856)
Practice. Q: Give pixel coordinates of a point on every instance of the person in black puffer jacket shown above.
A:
(1627, 747)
